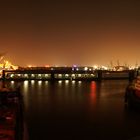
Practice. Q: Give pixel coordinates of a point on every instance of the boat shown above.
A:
(132, 94)
(11, 114)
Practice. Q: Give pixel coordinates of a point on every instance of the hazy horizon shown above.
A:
(74, 32)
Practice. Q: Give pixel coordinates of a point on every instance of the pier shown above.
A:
(67, 73)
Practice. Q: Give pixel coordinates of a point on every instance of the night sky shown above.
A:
(70, 32)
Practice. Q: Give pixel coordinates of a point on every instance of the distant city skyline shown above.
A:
(70, 32)
(112, 64)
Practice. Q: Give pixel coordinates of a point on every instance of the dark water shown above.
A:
(78, 110)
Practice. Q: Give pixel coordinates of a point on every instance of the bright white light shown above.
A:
(85, 68)
(32, 81)
(79, 75)
(73, 81)
(66, 81)
(26, 75)
(12, 75)
(59, 75)
(66, 75)
(60, 81)
(95, 66)
(12, 82)
(46, 75)
(79, 82)
(73, 75)
(104, 67)
(26, 82)
(39, 82)
(25, 87)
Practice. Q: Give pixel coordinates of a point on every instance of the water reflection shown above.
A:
(26, 86)
(67, 81)
(32, 82)
(73, 82)
(93, 97)
(12, 84)
(60, 81)
(26, 93)
(40, 83)
(79, 109)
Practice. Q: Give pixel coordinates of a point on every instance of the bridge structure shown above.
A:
(66, 73)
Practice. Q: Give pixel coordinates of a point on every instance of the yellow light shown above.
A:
(60, 81)
(12, 82)
(66, 81)
(25, 75)
(66, 75)
(59, 75)
(73, 81)
(7, 65)
(79, 82)
(29, 66)
(95, 66)
(73, 75)
(47, 66)
(86, 68)
(46, 75)
(39, 82)
(79, 75)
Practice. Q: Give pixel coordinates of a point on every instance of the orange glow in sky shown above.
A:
(70, 32)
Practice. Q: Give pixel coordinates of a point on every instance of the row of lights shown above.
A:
(48, 75)
(74, 67)
(60, 81)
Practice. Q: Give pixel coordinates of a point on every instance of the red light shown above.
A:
(93, 92)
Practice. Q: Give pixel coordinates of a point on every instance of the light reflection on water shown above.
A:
(71, 91)
(93, 96)
(80, 108)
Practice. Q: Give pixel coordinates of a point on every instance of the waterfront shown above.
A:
(68, 73)
(78, 110)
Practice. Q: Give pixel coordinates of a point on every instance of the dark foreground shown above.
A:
(79, 111)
